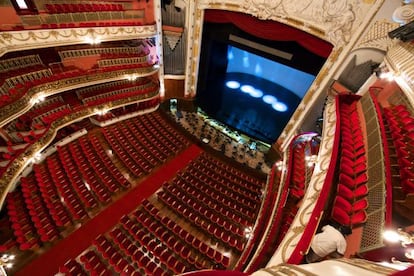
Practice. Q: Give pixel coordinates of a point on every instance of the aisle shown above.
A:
(48, 263)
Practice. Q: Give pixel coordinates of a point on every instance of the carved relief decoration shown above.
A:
(334, 20)
(377, 36)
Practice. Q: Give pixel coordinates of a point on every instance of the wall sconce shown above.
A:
(92, 40)
(5, 262)
(403, 237)
(279, 165)
(248, 232)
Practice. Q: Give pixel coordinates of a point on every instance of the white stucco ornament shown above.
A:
(403, 14)
(263, 9)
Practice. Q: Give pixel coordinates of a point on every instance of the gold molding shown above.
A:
(13, 110)
(31, 39)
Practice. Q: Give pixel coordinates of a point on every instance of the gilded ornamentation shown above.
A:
(22, 40)
(11, 111)
(368, 265)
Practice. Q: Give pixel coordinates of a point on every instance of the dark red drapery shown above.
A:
(270, 30)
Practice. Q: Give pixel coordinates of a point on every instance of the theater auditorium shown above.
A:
(205, 137)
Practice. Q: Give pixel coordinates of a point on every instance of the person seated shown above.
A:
(328, 243)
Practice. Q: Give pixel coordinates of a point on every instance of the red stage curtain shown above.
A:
(270, 30)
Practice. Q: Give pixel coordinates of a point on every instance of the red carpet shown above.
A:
(48, 263)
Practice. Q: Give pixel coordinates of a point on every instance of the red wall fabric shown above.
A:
(271, 30)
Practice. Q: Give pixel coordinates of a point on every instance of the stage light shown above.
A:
(247, 88)
(269, 99)
(233, 84)
(257, 93)
(279, 106)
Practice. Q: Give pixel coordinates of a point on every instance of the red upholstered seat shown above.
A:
(359, 217)
(342, 203)
(351, 195)
(340, 216)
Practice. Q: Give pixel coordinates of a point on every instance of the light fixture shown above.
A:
(131, 77)
(382, 72)
(92, 40)
(233, 84)
(403, 237)
(248, 232)
(5, 262)
(247, 88)
(37, 98)
(269, 99)
(279, 165)
(279, 106)
(101, 112)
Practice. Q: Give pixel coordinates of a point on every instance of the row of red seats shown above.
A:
(166, 134)
(37, 111)
(233, 173)
(50, 195)
(146, 142)
(23, 228)
(215, 170)
(211, 192)
(71, 171)
(101, 190)
(133, 148)
(401, 124)
(208, 208)
(161, 250)
(98, 148)
(147, 246)
(193, 214)
(350, 203)
(94, 264)
(223, 187)
(224, 184)
(112, 255)
(53, 116)
(72, 267)
(119, 95)
(143, 94)
(113, 91)
(123, 155)
(108, 87)
(153, 138)
(67, 190)
(20, 89)
(125, 133)
(82, 7)
(15, 72)
(111, 23)
(163, 136)
(110, 176)
(150, 246)
(184, 242)
(44, 224)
